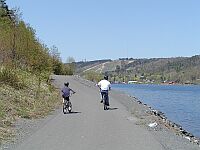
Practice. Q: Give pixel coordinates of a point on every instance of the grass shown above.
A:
(19, 98)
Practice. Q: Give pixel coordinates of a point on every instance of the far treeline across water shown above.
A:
(176, 70)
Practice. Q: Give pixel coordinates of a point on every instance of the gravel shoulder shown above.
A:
(137, 114)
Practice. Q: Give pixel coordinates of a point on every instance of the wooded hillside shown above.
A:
(21, 48)
(183, 70)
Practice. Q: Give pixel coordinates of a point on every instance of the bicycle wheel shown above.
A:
(104, 102)
(64, 109)
(69, 107)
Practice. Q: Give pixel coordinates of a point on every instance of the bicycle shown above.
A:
(105, 100)
(67, 105)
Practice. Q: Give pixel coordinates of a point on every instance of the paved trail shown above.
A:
(89, 127)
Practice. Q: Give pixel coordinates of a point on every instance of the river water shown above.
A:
(181, 104)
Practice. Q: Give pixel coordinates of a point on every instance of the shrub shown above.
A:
(10, 77)
(93, 76)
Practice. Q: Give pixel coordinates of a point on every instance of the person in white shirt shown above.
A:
(104, 86)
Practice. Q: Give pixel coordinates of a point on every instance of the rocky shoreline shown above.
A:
(169, 124)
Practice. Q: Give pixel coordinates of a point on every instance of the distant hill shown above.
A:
(90, 65)
(177, 69)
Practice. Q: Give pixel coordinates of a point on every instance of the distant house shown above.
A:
(132, 82)
(172, 82)
(188, 82)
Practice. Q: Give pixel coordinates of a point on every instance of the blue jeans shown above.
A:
(104, 93)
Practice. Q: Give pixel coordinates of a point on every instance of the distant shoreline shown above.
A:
(157, 83)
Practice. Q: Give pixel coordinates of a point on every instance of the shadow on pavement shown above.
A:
(112, 108)
(74, 112)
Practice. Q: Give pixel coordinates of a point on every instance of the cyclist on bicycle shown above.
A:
(104, 86)
(66, 92)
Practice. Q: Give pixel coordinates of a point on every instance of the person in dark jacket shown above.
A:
(66, 92)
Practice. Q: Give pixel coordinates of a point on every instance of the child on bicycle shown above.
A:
(66, 92)
(104, 86)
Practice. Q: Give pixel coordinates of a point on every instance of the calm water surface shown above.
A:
(181, 104)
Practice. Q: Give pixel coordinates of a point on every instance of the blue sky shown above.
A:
(112, 29)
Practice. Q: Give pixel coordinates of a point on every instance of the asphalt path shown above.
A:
(89, 127)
